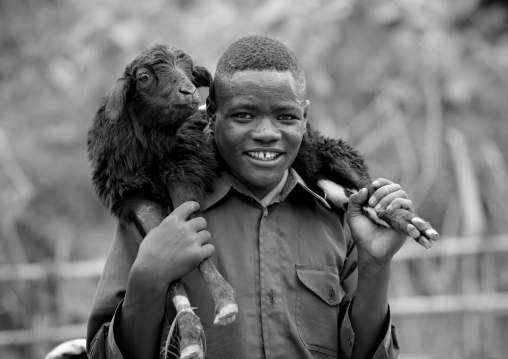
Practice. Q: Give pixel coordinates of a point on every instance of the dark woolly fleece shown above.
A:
(131, 157)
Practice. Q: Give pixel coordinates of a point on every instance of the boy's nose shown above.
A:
(266, 131)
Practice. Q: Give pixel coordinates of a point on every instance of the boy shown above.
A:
(308, 284)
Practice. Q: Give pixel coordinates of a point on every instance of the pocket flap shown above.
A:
(323, 281)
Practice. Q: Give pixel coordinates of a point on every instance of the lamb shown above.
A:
(149, 154)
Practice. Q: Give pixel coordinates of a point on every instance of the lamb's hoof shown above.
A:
(226, 315)
(193, 351)
(410, 224)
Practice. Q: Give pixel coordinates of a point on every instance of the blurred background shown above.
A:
(419, 86)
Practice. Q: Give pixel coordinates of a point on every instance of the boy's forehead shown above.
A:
(249, 75)
(242, 82)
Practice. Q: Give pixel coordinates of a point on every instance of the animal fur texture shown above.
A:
(334, 159)
(147, 136)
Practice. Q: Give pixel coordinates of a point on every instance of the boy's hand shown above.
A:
(176, 247)
(377, 243)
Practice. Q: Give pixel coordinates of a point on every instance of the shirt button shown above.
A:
(331, 293)
(350, 342)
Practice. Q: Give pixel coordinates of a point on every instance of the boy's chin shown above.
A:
(262, 185)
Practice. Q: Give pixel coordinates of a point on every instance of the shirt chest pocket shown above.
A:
(317, 307)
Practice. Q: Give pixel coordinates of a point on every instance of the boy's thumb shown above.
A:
(356, 202)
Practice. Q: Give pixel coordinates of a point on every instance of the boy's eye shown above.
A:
(286, 118)
(243, 115)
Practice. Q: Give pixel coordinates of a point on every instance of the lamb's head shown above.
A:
(158, 88)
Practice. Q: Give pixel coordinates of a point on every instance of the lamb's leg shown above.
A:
(222, 292)
(403, 221)
(400, 220)
(189, 326)
(149, 215)
(406, 222)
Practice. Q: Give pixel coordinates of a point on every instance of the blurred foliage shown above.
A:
(420, 87)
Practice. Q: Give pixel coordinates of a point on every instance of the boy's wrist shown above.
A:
(370, 265)
(146, 278)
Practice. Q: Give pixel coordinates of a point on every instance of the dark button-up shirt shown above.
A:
(293, 267)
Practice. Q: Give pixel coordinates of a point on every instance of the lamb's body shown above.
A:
(145, 163)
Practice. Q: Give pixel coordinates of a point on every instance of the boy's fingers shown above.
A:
(384, 191)
(395, 200)
(184, 210)
(401, 203)
(197, 224)
(356, 202)
(374, 185)
(203, 237)
(207, 250)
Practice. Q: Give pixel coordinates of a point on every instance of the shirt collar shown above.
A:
(225, 182)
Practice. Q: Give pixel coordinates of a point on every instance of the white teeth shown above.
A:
(265, 156)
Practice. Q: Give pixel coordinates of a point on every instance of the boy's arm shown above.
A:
(385, 344)
(111, 288)
(369, 310)
(168, 252)
(375, 249)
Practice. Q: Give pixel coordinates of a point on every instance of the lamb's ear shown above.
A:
(202, 77)
(116, 100)
(210, 117)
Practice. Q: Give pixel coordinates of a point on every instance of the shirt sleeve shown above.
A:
(103, 345)
(111, 291)
(389, 346)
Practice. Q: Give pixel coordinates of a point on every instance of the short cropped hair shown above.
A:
(259, 53)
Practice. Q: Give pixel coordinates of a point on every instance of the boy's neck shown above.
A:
(270, 196)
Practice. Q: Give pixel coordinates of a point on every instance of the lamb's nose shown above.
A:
(187, 90)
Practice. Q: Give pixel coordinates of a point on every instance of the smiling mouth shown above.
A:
(264, 156)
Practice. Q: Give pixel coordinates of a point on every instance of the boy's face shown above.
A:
(260, 121)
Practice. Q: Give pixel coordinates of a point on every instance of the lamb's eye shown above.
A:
(143, 77)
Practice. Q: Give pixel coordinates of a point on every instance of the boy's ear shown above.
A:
(306, 113)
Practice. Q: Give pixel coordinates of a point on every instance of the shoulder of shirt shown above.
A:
(225, 182)
(299, 180)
